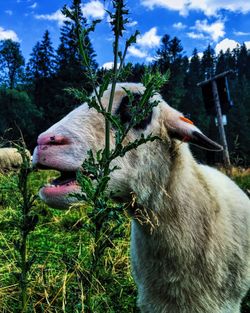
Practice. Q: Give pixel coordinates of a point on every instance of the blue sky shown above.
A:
(221, 23)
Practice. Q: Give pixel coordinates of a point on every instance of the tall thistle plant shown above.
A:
(22, 199)
(105, 217)
(27, 224)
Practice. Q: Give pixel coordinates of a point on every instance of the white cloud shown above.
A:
(226, 44)
(33, 6)
(132, 24)
(208, 7)
(93, 9)
(133, 51)
(9, 12)
(200, 55)
(247, 43)
(196, 35)
(175, 5)
(8, 34)
(56, 16)
(150, 59)
(150, 39)
(144, 45)
(109, 65)
(202, 29)
(179, 25)
(241, 33)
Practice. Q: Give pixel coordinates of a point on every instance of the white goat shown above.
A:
(190, 239)
(10, 159)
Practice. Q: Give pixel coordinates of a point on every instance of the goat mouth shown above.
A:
(59, 192)
(63, 185)
(66, 178)
(59, 188)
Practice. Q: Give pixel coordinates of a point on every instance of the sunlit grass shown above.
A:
(62, 246)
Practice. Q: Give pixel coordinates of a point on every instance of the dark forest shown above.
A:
(33, 92)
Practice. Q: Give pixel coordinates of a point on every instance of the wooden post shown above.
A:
(213, 82)
(226, 157)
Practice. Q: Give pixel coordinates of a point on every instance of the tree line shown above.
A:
(33, 94)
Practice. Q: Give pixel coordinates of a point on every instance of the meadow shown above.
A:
(59, 247)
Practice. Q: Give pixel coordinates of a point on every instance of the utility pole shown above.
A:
(216, 100)
(223, 138)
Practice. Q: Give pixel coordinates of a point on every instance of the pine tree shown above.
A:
(192, 103)
(47, 56)
(239, 124)
(162, 54)
(239, 115)
(221, 64)
(70, 71)
(69, 60)
(208, 62)
(169, 57)
(175, 50)
(40, 70)
(42, 62)
(32, 68)
(40, 77)
(225, 61)
(242, 61)
(11, 62)
(136, 72)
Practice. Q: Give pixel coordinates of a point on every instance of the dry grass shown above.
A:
(62, 246)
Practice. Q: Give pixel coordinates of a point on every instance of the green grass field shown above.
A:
(60, 247)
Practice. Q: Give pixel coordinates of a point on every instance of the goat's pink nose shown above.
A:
(50, 139)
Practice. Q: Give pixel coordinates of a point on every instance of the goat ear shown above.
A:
(183, 129)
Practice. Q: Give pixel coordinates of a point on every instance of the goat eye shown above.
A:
(125, 114)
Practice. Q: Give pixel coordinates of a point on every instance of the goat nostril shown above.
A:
(53, 140)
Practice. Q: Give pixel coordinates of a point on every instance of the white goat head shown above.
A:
(64, 146)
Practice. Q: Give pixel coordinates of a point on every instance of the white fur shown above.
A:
(190, 239)
(10, 159)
